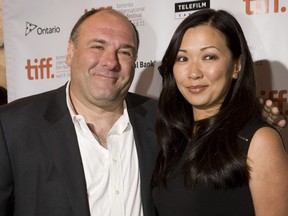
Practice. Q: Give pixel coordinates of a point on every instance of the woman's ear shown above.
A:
(235, 75)
(237, 67)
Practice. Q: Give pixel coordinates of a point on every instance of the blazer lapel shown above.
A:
(142, 114)
(61, 140)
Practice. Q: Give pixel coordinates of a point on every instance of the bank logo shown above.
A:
(184, 9)
(30, 27)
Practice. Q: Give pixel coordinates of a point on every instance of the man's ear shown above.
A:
(70, 52)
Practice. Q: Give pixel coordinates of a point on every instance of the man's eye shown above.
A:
(97, 47)
(125, 55)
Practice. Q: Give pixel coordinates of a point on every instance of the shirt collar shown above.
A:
(122, 124)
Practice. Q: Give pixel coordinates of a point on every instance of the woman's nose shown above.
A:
(195, 71)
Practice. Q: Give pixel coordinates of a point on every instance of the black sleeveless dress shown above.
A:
(177, 200)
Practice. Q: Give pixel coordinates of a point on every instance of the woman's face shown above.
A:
(204, 69)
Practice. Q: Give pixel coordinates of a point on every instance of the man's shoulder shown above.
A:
(36, 101)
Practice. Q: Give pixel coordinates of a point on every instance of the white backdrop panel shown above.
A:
(36, 34)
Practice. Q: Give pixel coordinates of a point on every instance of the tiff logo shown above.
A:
(100, 8)
(39, 69)
(263, 6)
(277, 97)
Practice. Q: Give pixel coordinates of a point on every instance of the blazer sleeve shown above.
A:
(6, 179)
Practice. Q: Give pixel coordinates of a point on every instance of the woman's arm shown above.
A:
(269, 173)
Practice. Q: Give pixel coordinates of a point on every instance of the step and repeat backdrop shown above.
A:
(36, 33)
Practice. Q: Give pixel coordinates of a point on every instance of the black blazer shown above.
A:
(41, 171)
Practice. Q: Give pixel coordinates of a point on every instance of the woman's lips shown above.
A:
(197, 88)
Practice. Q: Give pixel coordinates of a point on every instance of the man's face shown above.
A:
(102, 61)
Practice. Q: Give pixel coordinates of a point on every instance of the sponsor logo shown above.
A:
(184, 9)
(39, 69)
(133, 12)
(100, 8)
(130, 10)
(279, 97)
(144, 64)
(30, 27)
(263, 7)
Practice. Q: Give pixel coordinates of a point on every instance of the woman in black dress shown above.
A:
(217, 155)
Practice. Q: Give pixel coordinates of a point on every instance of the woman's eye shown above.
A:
(181, 59)
(210, 57)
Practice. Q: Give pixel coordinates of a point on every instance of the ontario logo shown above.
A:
(30, 27)
(184, 9)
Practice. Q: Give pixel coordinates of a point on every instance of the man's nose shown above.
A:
(110, 60)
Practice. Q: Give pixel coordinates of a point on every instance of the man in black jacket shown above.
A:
(88, 147)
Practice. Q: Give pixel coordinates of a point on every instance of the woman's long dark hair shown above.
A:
(212, 154)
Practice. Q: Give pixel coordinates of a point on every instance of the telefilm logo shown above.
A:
(184, 9)
(30, 27)
(264, 6)
(39, 69)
